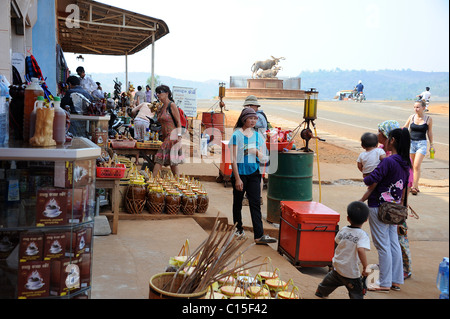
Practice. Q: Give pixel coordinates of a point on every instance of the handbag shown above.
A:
(393, 213)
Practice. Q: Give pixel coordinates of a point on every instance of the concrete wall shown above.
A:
(5, 38)
(16, 40)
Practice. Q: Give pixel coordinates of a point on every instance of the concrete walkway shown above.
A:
(124, 263)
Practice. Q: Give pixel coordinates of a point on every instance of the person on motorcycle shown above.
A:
(359, 96)
(425, 95)
(359, 87)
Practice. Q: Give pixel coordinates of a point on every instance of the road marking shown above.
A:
(348, 124)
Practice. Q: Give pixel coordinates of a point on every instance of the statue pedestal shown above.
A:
(265, 89)
(264, 84)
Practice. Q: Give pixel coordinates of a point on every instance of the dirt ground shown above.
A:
(330, 153)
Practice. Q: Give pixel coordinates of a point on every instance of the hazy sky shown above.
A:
(212, 39)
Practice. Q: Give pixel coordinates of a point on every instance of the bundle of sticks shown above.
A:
(211, 259)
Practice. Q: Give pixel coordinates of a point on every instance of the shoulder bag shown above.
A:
(393, 213)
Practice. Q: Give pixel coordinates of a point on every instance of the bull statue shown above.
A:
(272, 73)
(264, 65)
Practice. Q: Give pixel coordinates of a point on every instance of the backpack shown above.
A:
(183, 118)
(268, 123)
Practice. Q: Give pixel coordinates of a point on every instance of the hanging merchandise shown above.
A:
(4, 110)
(33, 70)
(62, 70)
(16, 106)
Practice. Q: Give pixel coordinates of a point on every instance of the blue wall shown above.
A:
(44, 42)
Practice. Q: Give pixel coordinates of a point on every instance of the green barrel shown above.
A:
(292, 181)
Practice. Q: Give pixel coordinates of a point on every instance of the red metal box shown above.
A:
(307, 232)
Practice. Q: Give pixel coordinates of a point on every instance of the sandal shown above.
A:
(376, 288)
(414, 191)
(395, 288)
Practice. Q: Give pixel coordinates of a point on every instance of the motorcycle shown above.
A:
(114, 123)
(360, 97)
(427, 102)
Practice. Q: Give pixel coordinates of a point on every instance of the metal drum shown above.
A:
(292, 181)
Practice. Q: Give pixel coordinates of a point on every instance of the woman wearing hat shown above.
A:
(261, 126)
(262, 123)
(247, 151)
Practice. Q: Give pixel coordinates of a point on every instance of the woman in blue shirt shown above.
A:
(247, 150)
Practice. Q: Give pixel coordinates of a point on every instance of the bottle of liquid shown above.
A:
(147, 135)
(4, 111)
(432, 152)
(32, 91)
(38, 103)
(442, 279)
(59, 122)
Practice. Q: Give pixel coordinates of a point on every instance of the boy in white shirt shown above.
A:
(352, 243)
(369, 159)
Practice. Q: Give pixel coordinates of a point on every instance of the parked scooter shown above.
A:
(114, 122)
(155, 127)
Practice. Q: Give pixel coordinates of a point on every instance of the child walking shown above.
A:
(247, 151)
(369, 159)
(352, 243)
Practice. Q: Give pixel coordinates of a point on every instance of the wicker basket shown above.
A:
(135, 198)
(159, 288)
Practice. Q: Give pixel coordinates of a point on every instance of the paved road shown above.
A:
(348, 119)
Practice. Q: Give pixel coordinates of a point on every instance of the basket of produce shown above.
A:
(277, 139)
(117, 171)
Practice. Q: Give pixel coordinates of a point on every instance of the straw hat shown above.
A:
(251, 100)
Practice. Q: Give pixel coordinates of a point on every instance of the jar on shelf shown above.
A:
(188, 203)
(155, 200)
(202, 201)
(172, 201)
(135, 197)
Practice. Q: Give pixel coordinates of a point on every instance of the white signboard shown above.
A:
(186, 99)
(18, 60)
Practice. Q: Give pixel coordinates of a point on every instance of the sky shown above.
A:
(212, 39)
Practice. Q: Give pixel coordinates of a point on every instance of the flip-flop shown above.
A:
(385, 290)
(395, 288)
(376, 288)
(414, 190)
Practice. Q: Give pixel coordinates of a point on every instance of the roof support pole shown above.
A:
(153, 66)
(126, 71)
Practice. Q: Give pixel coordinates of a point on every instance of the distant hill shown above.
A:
(379, 85)
(205, 90)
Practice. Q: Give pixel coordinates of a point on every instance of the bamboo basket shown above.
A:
(159, 285)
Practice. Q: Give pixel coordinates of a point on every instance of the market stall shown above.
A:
(47, 219)
(47, 176)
